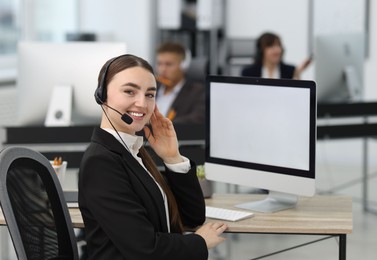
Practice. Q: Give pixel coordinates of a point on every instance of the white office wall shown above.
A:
(169, 14)
(209, 14)
(46, 20)
(337, 16)
(129, 21)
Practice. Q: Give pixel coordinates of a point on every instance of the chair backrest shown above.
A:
(198, 69)
(34, 208)
(240, 52)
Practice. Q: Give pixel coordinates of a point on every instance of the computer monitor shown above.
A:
(262, 133)
(44, 66)
(339, 62)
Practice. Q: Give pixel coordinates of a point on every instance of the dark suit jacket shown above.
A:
(189, 104)
(123, 209)
(255, 70)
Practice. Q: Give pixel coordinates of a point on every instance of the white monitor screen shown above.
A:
(42, 66)
(339, 62)
(261, 124)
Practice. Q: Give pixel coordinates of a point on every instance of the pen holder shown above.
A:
(205, 184)
(60, 170)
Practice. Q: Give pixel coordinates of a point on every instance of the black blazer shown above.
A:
(123, 209)
(189, 104)
(255, 70)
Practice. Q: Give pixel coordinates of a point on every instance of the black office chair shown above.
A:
(198, 69)
(239, 52)
(34, 207)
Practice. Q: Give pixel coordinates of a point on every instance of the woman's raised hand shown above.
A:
(163, 138)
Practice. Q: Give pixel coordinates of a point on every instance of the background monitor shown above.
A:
(339, 62)
(43, 66)
(262, 133)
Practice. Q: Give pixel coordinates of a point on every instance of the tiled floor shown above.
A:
(339, 168)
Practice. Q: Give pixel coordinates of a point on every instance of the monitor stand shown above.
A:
(353, 83)
(275, 201)
(59, 111)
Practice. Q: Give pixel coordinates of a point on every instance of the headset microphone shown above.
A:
(126, 118)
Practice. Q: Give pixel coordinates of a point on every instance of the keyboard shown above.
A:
(72, 204)
(227, 214)
(71, 197)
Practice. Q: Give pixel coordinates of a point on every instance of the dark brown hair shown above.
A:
(172, 47)
(176, 225)
(117, 65)
(266, 40)
(120, 63)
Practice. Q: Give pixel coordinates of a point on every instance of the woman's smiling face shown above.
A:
(131, 91)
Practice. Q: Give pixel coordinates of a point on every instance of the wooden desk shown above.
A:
(318, 215)
(76, 217)
(315, 215)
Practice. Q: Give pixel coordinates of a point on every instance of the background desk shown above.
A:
(364, 129)
(318, 215)
(71, 142)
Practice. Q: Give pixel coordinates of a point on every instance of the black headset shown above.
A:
(259, 51)
(100, 94)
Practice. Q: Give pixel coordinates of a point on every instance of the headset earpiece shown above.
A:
(100, 90)
(185, 64)
(259, 51)
(100, 94)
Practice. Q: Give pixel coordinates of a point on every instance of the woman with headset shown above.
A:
(268, 60)
(130, 210)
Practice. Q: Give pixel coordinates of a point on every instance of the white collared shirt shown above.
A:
(133, 144)
(165, 101)
(275, 74)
